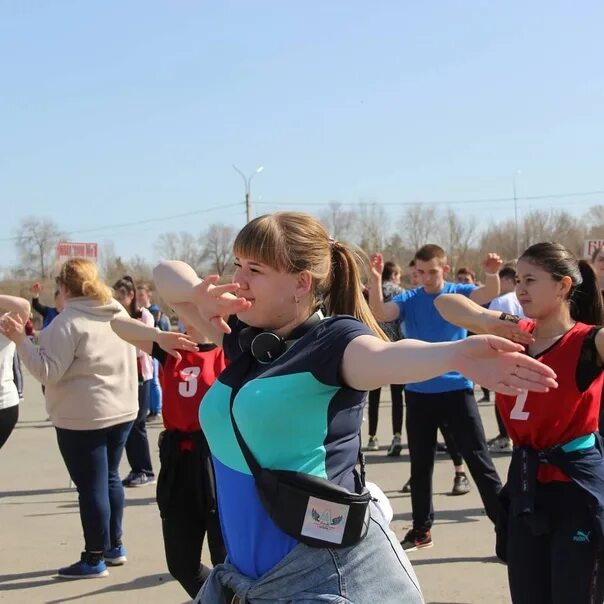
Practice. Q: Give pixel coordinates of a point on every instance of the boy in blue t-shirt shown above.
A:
(447, 399)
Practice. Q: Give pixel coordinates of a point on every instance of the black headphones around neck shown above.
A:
(267, 346)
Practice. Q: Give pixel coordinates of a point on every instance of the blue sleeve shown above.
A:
(401, 301)
(328, 346)
(465, 289)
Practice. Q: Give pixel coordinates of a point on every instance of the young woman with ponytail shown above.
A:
(137, 446)
(299, 406)
(551, 524)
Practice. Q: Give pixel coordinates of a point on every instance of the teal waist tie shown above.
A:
(579, 443)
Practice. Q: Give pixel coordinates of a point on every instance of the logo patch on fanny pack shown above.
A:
(325, 520)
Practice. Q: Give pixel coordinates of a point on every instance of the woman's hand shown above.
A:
(218, 302)
(172, 342)
(13, 327)
(500, 365)
(505, 329)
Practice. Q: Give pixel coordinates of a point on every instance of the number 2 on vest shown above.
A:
(188, 386)
(518, 411)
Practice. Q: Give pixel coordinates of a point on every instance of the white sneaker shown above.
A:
(372, 444)
(501, 444)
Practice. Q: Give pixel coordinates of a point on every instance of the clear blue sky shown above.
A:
(113, 112)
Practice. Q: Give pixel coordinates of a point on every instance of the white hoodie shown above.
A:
(89, 372)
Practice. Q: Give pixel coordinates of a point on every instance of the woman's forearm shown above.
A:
(370, 363)
(462, 311)
(134, 331)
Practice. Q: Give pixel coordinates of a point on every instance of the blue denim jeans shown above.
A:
(155, 396)
(375, 570)
(92, 458)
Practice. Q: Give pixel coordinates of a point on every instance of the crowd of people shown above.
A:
(262, 395)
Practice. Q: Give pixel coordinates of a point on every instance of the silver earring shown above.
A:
(296, 300)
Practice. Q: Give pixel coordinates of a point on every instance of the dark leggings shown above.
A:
(186, 497)
(8, 419)
(555, 558)
(92, 458)
(396, 394)
(137, 445)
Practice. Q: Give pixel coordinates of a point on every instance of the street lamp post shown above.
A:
(247, 181)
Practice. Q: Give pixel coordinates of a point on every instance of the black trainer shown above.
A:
(417, 539)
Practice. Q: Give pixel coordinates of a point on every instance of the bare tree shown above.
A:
(458, 237)
(36, 244)
(418, 225)
(500, 238)
(395, 250)
(180, 246)
(217, 245)
(594, 219)
(339, 222)
(553, 225)
(140, 269)
(112, 266)
(372, 227)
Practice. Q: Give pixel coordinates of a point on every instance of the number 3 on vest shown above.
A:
(188, 386)
(518, 411)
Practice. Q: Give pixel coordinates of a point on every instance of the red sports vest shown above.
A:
(184, 384)
(542, 420)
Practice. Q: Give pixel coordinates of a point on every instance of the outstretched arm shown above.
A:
(143, 336)
(494, 362)
(462, 311)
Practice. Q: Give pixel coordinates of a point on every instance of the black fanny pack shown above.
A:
(308, 508)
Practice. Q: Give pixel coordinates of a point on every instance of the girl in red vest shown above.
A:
(552, 503)
(186, 494)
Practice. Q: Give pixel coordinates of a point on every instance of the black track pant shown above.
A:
(459, 411)
(8, 419)
(186, 497)
(502, 429)
(396, 395)
(555, 558)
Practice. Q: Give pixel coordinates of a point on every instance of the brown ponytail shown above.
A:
(345, 294)
(586, 298)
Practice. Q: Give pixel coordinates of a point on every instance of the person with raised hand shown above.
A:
(48, 313)
(551, 527)
(447, 400)
(291, 401)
